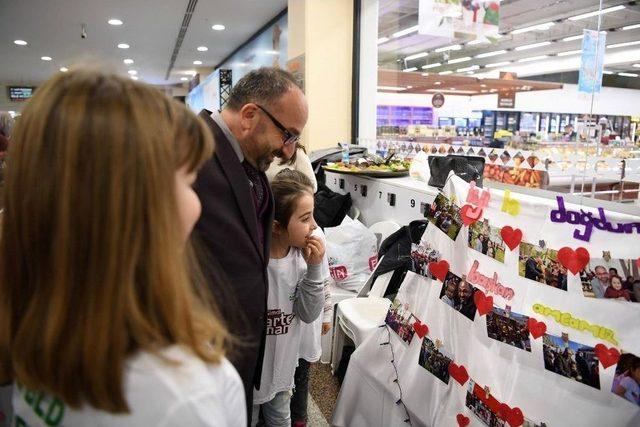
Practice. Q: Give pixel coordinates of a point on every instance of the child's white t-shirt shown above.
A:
(192, 393)
(632, 388)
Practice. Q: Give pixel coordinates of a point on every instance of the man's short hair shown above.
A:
(600, 266)
(263, 86)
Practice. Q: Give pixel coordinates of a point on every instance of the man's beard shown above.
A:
(264, 161)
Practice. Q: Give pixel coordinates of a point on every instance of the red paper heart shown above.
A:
(511, 237)
(420, 328)
(459, 373)
(536, 329)
(574, 261)
(484, 304)
(462, 420)
(503, 411)
(439, 269)
(515, 417)
(470, 214)
(607, 356)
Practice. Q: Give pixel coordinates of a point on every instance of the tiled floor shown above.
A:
(324, 389)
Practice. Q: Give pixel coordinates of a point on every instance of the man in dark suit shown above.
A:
(263, 118)
(531, 269)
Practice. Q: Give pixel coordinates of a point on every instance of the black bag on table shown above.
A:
(330, 207)
(469, 168)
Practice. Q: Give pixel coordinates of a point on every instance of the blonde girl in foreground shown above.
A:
(100, 319)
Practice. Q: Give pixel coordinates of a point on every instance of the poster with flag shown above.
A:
(443, 18)
(592, 62)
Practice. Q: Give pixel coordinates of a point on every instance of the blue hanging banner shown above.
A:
(592, 62)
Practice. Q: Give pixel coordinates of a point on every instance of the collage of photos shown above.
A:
(487, 240)
(446, 216)
(480, 408)
(617, 279)
(626, 382)
(571, 360)
(509, 327)
(457, 293)
(435, 360)
(540, 264)
(421, 255)
(400, 319)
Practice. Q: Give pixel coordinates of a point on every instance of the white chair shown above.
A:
(384, 229)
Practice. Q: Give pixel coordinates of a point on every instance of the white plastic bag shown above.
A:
(352, 250)
(419, 168)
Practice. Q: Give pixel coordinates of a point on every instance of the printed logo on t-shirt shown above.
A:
(339, 272)
(373, 261)
(278, 322)
(48, 409)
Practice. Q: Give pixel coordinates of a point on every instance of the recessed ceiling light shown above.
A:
(408, 70)
(613, 46)
(572, 38)
(390, 88)
(383, 40)
(596, 13)
(444, 73)
(202, 48)
(405, 32)
(489, 54)
(607, 72)
(184, 79)
(191, 72)
(114, 21)
(123, 46)
(538, 27)
(636, 65)
(471, 68)
(409, 87)
(64, 69)
(477, 41)
(570, 52)
(435, 64)
(197, 62)
(46, 58)
(452, 88)
(533, 58)
(437, 83)
(532, 46)
(631, 27)
(128, 61)
(132, 72)
(497, 64)
(483, 85)
(628, 74)
(20, 42)
(272, 52)
(134, 77)
(218, 27)
(459, 60)
(416, 56)
(446, 48)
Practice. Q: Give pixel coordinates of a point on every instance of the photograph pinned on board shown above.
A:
(480, 401)
(445, 215)
(509, 327)
(626, 382)
(435, 359)
(400, 319)
(458, 293)
(486, 239)
(570, 359)
(421, 255)
(611, 278)
(540, 264)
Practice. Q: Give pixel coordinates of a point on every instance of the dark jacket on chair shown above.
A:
(227, 233)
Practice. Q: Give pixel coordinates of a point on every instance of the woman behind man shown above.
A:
(100, 319)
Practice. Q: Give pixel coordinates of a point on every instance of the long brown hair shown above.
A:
(93, 266)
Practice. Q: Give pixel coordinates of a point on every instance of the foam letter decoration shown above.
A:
(536, 329)
(509, 205)
(484, 304)
(607, 356)
(458, 373)
(439, 269)
(512, 237)
(574, 261)
(420, 328)
(470, 214)
(515, 417)
(462, 420)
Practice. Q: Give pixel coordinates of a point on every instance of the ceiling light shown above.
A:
(628, 74)
(477, 41)
(132, 72)
(446, 48)
(489, 54)
(123, 46)
(452, 88)
(425, 74)
(416, 56)
(532, 46)
(636, 65)
(197, 62)
(134, 77)
(538, 27)
(114, 21)
(202, 48)
(613, 46)
(408, 70)
(46, 58)
(631, 27)
(435, 64)
(570, 52)
(483, 85)
(459, 60)
(471, 68)
(607, 72)
(184, 79)
(20, 42)
(484, 91)
(218, 27)
(383, 40)
(190, 72)
(405, 32)
(497, 64)
(572, 38)
(272, 52)
(533, 58)
(390, 88)
(596, 13)
(437, 83)
(444, 73)
(64, 69)
(128, 61)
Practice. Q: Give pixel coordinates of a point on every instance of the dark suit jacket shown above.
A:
(228, 232)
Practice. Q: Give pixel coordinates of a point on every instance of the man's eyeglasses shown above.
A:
(289, 138)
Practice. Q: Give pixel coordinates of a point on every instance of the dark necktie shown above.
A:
(256, 181)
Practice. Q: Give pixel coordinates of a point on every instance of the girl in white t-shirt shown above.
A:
(101, 321)
(295, 295)
(627, 384)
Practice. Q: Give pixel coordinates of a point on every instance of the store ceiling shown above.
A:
(53, 28)
(514, 14)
